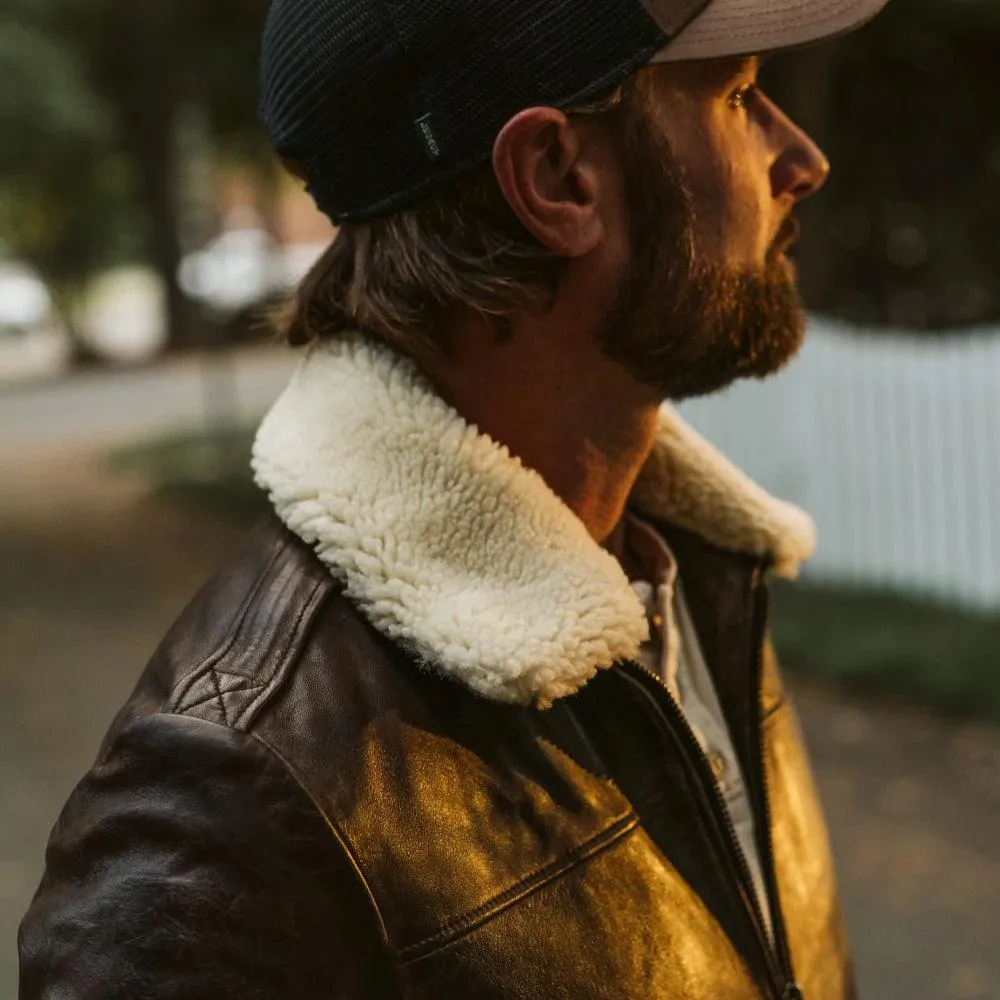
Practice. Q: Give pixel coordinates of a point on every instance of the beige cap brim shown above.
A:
(750, 27)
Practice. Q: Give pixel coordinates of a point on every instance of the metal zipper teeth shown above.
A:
(721, 815)
(762, 808)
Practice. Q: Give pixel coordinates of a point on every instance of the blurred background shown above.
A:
(144, 232)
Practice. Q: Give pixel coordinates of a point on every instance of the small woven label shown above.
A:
(431, 146)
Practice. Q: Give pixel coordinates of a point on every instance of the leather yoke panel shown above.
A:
(452, 807)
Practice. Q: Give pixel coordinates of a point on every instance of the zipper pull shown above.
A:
(792, 992)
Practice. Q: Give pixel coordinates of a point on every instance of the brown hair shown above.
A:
(394, 276)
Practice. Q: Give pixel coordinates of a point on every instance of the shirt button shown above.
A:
(718, 765)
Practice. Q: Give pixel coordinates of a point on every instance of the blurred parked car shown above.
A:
(240, 274)
(243, 267)
(235, 270)
(122, 316)
(295, 262)
(34, 341)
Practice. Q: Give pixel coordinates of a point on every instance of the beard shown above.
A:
(681, 325)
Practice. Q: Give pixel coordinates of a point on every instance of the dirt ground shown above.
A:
(92, 571)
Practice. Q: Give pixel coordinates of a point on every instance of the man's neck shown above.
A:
(558, 405)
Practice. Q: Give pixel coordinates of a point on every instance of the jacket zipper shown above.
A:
(778, 985)
(761, 807)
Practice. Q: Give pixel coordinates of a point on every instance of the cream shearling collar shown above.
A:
(455, 550)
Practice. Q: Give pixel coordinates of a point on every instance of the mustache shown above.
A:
(788, 234)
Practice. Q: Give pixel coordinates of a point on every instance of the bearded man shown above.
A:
(487, 707)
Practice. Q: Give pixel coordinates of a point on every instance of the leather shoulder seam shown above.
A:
(240, 696)
(288, 656)
(338, 834)
(175, 703)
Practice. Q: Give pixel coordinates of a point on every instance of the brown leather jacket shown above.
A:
(294, 804)
(289, 807)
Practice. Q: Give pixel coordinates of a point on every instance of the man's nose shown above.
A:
(800, 168)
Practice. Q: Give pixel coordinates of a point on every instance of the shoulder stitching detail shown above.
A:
(283, 662)
(338, 834)
(175, 703)
(211, 682)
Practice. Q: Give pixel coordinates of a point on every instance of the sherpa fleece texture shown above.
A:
(454, 549)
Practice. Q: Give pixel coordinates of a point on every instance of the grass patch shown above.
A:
(869, 641)
(891, 646)
(210, 469)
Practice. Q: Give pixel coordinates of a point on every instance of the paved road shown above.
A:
(108, 406)
(913, 804)
(92, 571)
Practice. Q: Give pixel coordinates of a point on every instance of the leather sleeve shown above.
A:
(190, 864)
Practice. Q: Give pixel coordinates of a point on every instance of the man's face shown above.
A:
(712, 171)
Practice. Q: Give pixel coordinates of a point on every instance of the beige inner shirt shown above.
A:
(674, 654)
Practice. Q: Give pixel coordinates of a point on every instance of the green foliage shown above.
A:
(210, 469)
(891, 646)
(64, 187)
(977, 14)
(91, 88)
(45, 102)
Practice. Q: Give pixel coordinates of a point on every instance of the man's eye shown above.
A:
(743, 97)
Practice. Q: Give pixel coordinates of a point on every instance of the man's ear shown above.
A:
(548, 181)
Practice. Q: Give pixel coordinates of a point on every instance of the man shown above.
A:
(487, 708)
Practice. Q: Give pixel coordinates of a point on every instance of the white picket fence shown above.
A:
(892, 443)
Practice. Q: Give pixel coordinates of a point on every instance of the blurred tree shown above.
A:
(91, 110)
(62, 189)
